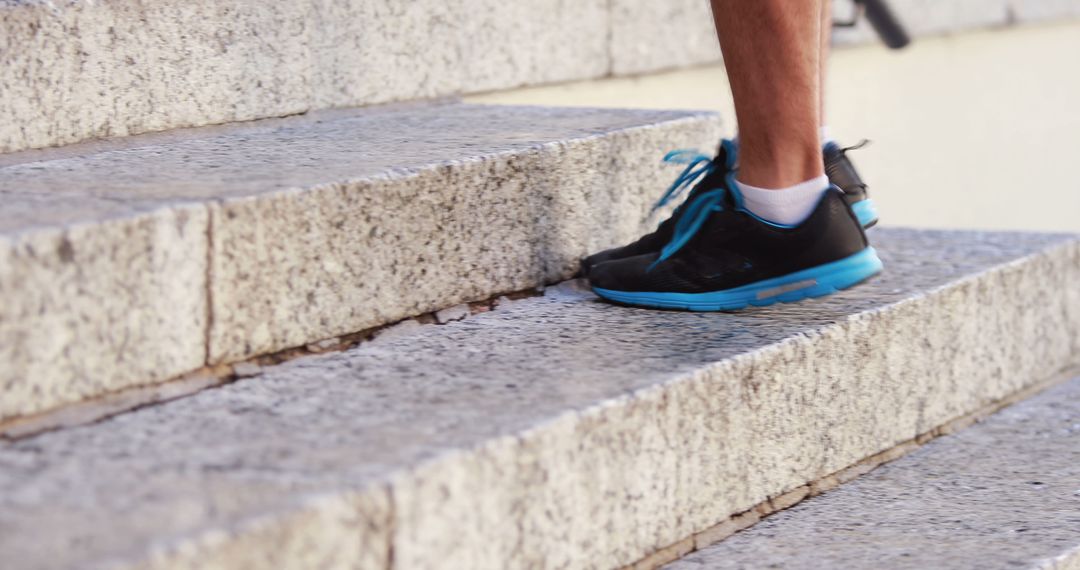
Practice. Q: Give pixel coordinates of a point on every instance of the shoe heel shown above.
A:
(866, 212)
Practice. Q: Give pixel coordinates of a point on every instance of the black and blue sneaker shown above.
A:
(722, 257)
(711, 172)
(842, 173)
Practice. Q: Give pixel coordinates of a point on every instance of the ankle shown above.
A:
(780, 168)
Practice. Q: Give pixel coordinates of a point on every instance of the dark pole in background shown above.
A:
(883, 20)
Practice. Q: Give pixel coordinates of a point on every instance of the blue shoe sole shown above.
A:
(813, 282)
(865, 212)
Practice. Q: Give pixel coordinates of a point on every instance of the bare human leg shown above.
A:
(823, 59)
(772, 52)
(722, 250)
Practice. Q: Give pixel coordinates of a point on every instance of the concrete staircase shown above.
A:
(552, 432)
(325, 341)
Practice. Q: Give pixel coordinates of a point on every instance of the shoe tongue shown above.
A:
(711, 181)
(725, 154)
(715, 178)
(730, 199)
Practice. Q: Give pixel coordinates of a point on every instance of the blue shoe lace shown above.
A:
(691, 215)
(697, 165)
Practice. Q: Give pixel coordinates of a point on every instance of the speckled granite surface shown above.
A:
(374, 51)
(94, 307)
(650, 36)
(1001, 494)
(559, 432)
(135, 264)
(80, 69)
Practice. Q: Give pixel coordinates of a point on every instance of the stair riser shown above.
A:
(101, 307)
(78, 70)
(979, 498)
(85, 70)
(295, 267)
(81, 70)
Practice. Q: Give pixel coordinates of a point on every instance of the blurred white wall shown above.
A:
(975, 130)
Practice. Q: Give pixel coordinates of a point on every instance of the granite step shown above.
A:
(1004, 494)
(553, 432)
(131, 262)
(74, 71)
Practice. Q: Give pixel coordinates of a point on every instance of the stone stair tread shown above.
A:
(519, 433)
(247, 160)
(1002, 494)
(130, 262)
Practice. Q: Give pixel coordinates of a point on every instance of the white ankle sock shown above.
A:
(826, 137)
(788, 206)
